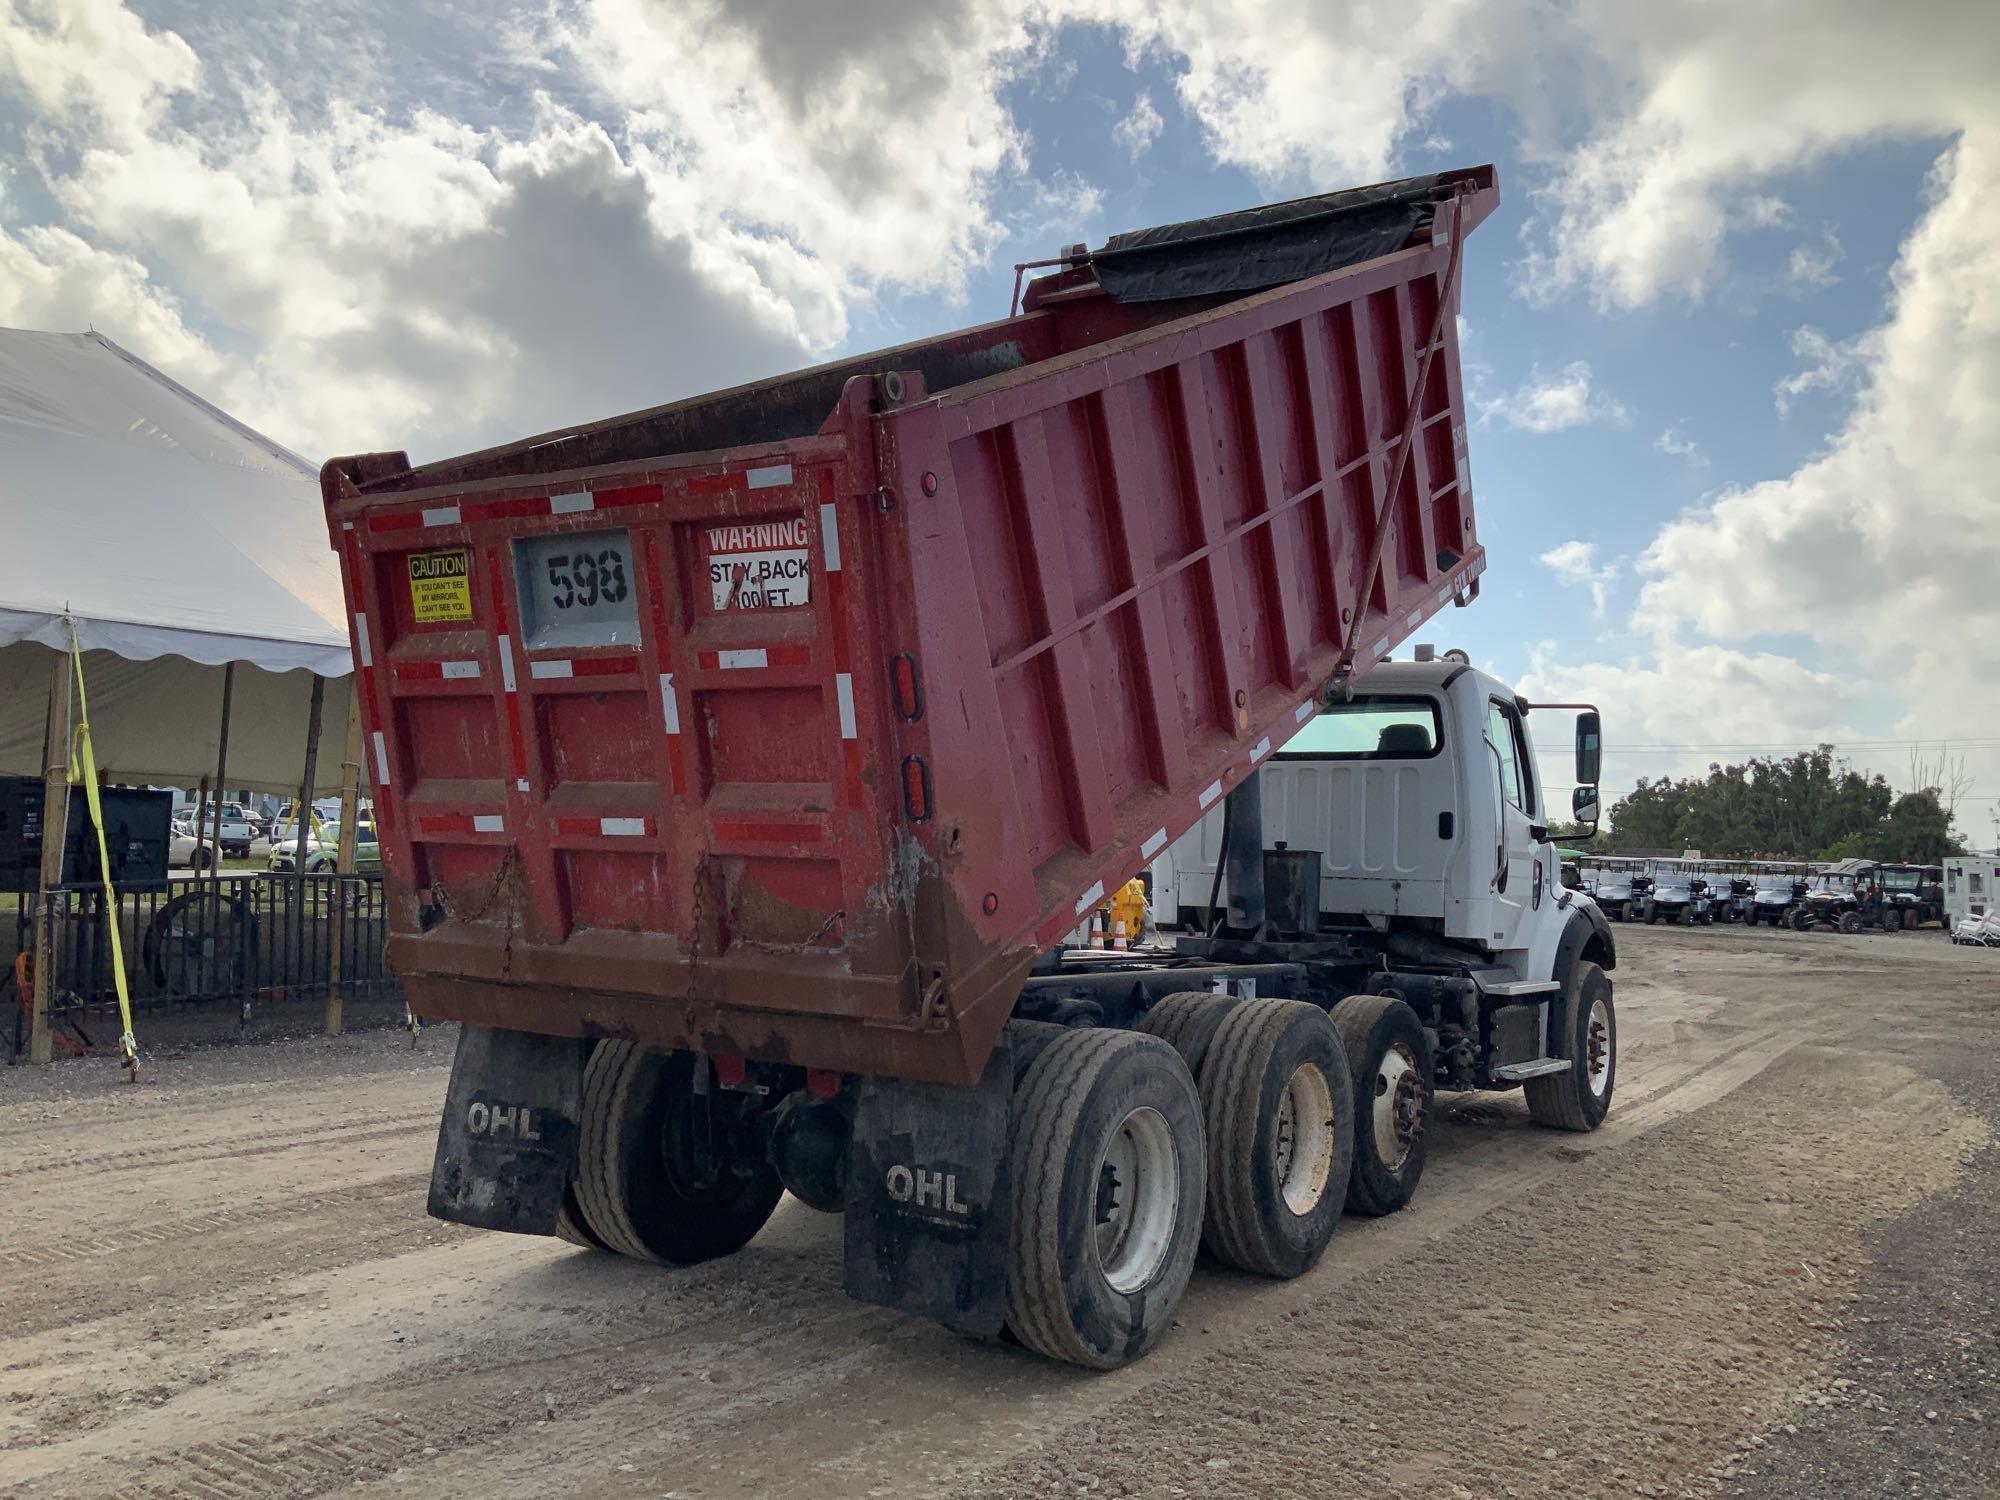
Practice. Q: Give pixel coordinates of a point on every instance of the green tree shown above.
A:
(1791, 807)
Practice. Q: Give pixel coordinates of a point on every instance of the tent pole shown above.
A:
(299, 885)
(343, 860)
(221, 772)
(55, 835)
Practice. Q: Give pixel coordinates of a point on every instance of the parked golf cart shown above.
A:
(1678, 894)
(1610, 882)
(1730, 889)
(1775, 890)
(1833, 898)
(1908, 895)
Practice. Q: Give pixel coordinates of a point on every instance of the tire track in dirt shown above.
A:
(251, 1143)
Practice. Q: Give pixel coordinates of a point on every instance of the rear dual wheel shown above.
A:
(637, 1190)
(1390, 1058)
(1108, 1166)
(1277, 1106)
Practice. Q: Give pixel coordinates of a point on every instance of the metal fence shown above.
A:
(250, 940)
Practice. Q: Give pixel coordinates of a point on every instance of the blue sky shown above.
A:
(1732, 343)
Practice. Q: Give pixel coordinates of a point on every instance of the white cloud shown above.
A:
(1810, 268)
(1885, 546)
(1558, 402)
(1676, 445)
(1829, 366)
(1139, 129)
(1576, 563)
(1701, 699)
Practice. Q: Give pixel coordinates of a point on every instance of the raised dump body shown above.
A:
(793, 722)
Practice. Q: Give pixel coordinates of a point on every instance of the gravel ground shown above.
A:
(1762, 1277)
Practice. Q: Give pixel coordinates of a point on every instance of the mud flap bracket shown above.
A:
(507, 1144)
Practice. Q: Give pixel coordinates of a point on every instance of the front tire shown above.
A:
(635, 1180)
(1580, 1097)
(1108, 1166)
(1850, 921)
(1278, 1104)
(1391, 1061)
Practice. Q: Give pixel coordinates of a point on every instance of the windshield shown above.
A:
(1902, 880)
(1371, 728)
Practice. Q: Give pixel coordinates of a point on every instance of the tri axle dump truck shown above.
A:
(742, 764)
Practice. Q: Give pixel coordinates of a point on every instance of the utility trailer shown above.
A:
(740, 765)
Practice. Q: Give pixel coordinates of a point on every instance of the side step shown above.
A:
(1503, 986)
(1522, 1071)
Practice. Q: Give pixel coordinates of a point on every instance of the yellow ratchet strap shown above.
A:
(83, 771)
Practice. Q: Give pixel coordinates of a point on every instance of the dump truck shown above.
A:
(742, 765)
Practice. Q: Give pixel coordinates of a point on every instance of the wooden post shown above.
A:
(343, 860)
(55, 833)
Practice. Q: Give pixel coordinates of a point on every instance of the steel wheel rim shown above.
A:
(1137, 1200)
(1597, 1048)
(1303, 1159)
(1397, 1113)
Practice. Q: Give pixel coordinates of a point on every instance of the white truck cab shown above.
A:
(1422, 795)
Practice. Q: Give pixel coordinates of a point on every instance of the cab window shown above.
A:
(1370, 727)
(1503, 732)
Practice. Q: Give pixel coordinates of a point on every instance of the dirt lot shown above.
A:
(1774, 1272)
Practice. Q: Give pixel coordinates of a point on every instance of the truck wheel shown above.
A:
(1580, 1097)
(1108, 1164)
(1390, 1058)
(1892, 921)
(1187, 1021)
(1850, 921)
(1277, 1098)
(635, 1179)
(571, 1226)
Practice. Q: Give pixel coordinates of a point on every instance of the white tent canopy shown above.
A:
(176, 540)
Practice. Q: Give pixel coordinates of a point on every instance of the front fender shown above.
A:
(1586, 935)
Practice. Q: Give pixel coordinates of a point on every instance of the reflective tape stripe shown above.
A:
(1210, 792)
(622, 826)
(381, 760)
(560, 668)
(1090, 897)
(843, 690)
(461, 671)
(829, 536)
(770, 476)
(361, 641)
(1154, 843)
(488, 823)
(441, 515)
(1305, 710)
(755, 656)
(1382, 646)
(570, 504)
(670, 710)
(1259, 750)
(507, 663)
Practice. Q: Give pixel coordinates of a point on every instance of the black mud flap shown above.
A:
(507, 1144)
(929, 1202)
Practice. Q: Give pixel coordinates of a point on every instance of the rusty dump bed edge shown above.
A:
(800, 742)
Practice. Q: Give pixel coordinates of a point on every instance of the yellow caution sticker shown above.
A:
(441, 585)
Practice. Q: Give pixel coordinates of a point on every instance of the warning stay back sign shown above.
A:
(759, 565)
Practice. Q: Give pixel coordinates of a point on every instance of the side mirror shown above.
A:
(1589, 747)
(1583, 810)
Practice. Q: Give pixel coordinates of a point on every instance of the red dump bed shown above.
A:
(794, 721)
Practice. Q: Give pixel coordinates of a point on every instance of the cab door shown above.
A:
(1511, 784)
